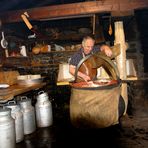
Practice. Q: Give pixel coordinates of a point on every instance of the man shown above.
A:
(87, 49)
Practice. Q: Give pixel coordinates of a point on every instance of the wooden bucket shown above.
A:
(97, 107)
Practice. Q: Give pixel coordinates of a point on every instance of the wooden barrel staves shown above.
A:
(96, 107)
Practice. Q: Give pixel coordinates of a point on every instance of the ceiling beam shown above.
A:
(75, 9)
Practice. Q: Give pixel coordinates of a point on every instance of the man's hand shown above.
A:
(84, 77)
(106, 49)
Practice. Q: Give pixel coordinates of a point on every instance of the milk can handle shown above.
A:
(13, 102)
(23, 97)
(40, 92)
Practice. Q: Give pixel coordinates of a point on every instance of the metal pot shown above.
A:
(28, 115)
(43, 109)
(7, 128)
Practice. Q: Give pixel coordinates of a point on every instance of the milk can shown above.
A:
(43, 108)
(7, 128)
(17, 115)
(28, 115)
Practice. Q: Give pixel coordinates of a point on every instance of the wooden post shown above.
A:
(121, 58)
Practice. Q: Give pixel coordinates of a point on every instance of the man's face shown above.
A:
(88, 46)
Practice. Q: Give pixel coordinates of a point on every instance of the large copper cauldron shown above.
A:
(96, 104)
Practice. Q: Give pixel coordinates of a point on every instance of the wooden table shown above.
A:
(14, 90)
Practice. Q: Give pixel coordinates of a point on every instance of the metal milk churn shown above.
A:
(43, 108)
(7, 128)
(28, 115)
(17, 115)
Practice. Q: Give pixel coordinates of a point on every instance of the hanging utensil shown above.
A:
(4, 43)
(25, 17)
(110, 31)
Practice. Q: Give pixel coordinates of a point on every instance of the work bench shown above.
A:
(9, 93)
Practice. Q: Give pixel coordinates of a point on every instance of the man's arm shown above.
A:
(106, 49)
(72, 70)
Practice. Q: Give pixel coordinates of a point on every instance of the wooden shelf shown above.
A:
(44, 65)
(32, 54)
(18, 57)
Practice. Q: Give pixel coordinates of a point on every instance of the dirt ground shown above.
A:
(62, 134)
(136, 136)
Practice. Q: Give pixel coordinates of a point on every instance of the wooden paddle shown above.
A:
(25, 17)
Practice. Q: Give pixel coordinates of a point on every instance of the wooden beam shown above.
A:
(75, 9)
